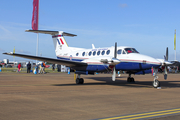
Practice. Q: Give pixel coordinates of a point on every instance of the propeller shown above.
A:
(114, 69)
(166, 54)
(165, 69)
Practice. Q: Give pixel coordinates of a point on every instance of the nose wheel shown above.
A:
(156, 83)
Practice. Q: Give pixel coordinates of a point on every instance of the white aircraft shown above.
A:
(89, 61)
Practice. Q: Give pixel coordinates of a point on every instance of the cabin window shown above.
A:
(94, 53)
(107, 52)
(98, 53)
(103, 52)
(83, 53)
(90, 53)
(119, 51)
(77, 54)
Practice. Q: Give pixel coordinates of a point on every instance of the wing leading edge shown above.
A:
(68, 63)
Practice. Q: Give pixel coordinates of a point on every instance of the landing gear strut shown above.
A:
(130, 79)
(156, 83)
(79, 80)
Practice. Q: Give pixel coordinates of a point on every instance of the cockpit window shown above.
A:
(130, 50)
(119, 51)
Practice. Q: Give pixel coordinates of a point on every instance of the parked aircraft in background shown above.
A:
(89, 61)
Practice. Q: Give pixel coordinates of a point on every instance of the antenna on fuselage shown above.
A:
(93, 47)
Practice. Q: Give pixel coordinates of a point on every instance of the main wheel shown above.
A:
(156, 83)
(130, 79)
(79, 80)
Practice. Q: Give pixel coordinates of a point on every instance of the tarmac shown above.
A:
(55, 96)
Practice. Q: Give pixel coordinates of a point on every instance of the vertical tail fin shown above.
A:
(60, 45)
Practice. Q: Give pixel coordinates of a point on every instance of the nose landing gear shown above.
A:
(156, 83)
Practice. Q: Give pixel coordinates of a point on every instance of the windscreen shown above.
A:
(131, 50)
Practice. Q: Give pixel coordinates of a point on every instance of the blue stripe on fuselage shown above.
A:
(124, 66)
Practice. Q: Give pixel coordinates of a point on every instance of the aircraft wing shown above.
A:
(50, 60)
(175, 63)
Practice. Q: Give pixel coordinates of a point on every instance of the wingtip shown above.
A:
(28, 30)
(4, 53)
(10, 53)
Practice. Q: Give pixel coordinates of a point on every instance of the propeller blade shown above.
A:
(114, 69)
(165, 69)
(115, 50)
(114, 74)
(167, 54)
(165, 72)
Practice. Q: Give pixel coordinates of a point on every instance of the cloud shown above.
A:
(123, 5)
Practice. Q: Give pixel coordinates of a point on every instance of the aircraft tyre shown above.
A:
(130, 79)
(156, 83)
(79, 80)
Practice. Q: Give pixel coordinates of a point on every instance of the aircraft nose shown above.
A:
(151, 62)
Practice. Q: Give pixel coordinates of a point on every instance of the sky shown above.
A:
(147, 25)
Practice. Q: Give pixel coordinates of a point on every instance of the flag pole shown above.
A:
(37, 46)
(175, 43)
(175, 54)
(35, 22)
(37, 33)
(14, 52)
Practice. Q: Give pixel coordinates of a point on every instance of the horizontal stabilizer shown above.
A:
(51, 32)
(50, 60)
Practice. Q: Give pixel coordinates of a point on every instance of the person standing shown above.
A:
(42, 67)
(19, 67)
(53, 67)
(28, 67)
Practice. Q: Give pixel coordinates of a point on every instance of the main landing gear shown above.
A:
(79, 80)
(130, 79)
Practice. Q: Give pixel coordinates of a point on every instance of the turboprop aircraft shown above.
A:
(89, 61)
